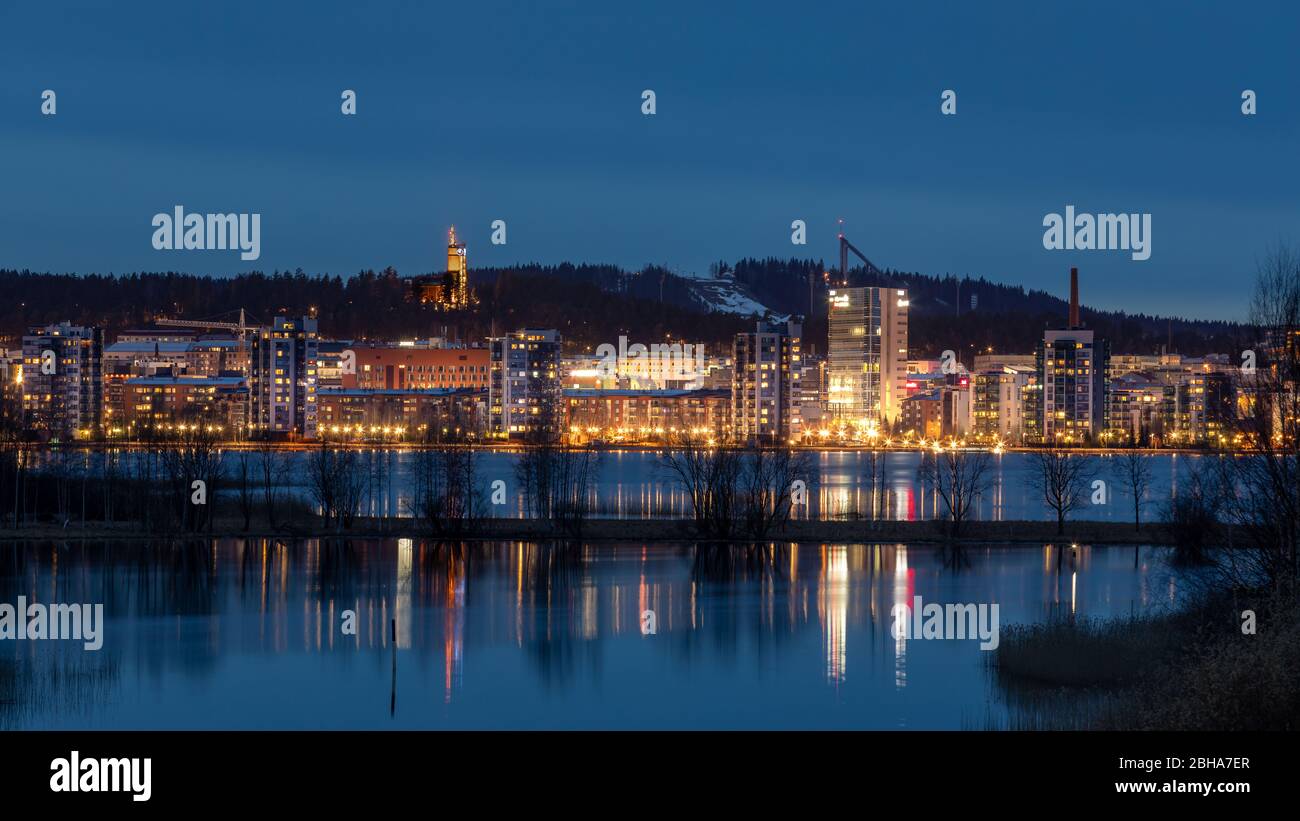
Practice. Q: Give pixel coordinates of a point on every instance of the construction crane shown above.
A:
(241, 327)
(845, 247)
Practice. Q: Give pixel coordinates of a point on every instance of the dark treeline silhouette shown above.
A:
(1007, 318)
(587, 305)
(590, 304)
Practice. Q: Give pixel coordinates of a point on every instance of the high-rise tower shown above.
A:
(867, 354)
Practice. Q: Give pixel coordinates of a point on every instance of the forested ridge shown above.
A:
(588, 303)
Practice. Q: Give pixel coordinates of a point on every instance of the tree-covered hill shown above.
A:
(589, 303)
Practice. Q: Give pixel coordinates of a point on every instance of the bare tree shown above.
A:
(60, 470)
(1061, 477)
(769, 477)
(710, 477)
(876, 466)
(352, 489)
(143, 480)
(336, 483)
(13, 449)
(572, 491)
(959, 478)
(272, 471)
(193, 457)
(1194, 514)
(446, 496)
(244, 477)
(1132, 469)
(323, 480)
(1260, 499)
(110, 469)
(555, 481)
(84, 466)
(733, 491)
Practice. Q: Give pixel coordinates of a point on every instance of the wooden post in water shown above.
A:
(392, 701)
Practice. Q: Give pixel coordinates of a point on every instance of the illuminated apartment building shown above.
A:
(812, 393)
(1141, 410)
(922, 415)
(998, 403)
(1031, 414)
(957, 406)
(216, 402)
(1205, 409)
(62, 372)
(282, 381)
(664, 365)
(867, 354)
(524, 389)
(765, 383)
(1132, 363)
(648, 415)
(193, 357)
(397, 415)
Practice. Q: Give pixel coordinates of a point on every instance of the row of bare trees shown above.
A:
(736, 492)
(1061, 477)
(555, 483)
(446, 497)
(336, 483)
(153, 487)
(193, 466)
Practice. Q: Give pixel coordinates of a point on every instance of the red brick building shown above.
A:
(407, 368)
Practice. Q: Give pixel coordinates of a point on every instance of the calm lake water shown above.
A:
(237, 634)
(634, 484)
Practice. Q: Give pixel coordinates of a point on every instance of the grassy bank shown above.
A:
(1191, 670)
(616, 530)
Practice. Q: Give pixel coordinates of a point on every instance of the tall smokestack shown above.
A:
(1074, 298)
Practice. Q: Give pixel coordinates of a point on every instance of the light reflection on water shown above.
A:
(519, 635)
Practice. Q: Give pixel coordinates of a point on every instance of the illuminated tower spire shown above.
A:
(457, 271)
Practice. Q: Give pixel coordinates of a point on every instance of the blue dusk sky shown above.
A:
(766, 112)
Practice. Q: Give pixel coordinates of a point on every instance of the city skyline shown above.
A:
(288, 382)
